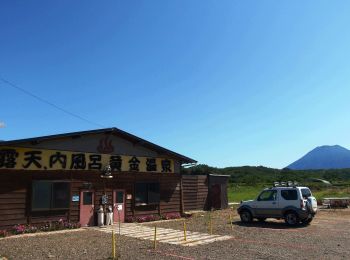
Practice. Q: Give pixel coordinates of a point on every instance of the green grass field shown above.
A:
(238, 192)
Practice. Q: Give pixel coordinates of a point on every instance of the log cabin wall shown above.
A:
(13, 199)
(170, 192)
(15, 194)
(16, 181)
(195, 192)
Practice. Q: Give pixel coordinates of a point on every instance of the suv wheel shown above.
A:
(291, 218)
(246, 216)
(307, 221)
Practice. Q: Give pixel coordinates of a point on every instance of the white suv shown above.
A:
(293, 204)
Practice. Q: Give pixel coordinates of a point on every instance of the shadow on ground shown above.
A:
(268, 224)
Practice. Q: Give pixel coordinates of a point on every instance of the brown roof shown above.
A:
(132, 138)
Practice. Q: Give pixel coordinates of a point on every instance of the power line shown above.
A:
(48, 102)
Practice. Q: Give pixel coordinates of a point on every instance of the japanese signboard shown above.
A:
(18, 158)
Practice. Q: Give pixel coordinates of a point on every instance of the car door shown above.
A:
(289, 198)
(267, 204)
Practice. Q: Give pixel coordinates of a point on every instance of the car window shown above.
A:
(268, 195)
(306, 193)
(289, 194)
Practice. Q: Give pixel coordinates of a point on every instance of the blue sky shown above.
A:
(228, 83)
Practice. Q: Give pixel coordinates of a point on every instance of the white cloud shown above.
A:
(2, 124)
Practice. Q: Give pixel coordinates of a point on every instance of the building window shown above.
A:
(147, 193)
(87, 198)
(50, 195)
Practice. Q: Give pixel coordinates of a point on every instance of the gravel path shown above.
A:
(327, 238)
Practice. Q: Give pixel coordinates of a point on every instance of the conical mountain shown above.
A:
(323, 157)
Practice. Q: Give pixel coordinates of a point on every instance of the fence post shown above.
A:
(117, 239)
(155, 238)
(113, 245)
(185, 238)
(231, 222)
(210, 224)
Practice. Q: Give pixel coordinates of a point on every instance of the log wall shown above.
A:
(195, 192)
(13, 199)
(15, 194)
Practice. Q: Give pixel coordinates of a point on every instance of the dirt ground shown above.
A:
(326, 238)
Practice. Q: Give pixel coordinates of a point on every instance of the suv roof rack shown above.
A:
(285, 184)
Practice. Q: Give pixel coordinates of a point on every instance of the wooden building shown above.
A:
(204, 192)
(68, 176)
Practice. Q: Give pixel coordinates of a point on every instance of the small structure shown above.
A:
(336, 202)
(217, 187)
(204, 192)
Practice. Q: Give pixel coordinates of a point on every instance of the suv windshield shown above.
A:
(306, 193)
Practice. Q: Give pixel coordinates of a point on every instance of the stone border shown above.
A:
(43, 233)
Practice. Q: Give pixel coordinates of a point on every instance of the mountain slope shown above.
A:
(323, 157)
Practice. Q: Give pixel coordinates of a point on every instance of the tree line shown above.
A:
(259, 174)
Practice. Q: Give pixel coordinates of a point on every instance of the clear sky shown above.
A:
(227, 83)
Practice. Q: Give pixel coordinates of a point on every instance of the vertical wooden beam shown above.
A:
(29, 198)
(160, 187)
(70, 194)
(133, 196)
(182, 208)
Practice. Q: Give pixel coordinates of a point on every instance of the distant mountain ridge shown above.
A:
(323, 157)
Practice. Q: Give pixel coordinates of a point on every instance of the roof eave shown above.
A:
(112, 130)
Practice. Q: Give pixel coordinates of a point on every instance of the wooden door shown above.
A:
(118, 205)
(216, 196)
(87, 198)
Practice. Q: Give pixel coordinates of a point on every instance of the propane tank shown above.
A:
(100, 216)
(109, 216)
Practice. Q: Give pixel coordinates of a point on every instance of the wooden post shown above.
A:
(113, 245)
(185, 238)
(231, 222)
(29, 195)
(182, 206)
(160, 184)
(133, 196)
(210, 224)
(116, 245)
(155, 238)
(118, 222)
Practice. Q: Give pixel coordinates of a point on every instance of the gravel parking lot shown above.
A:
(326, 238)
